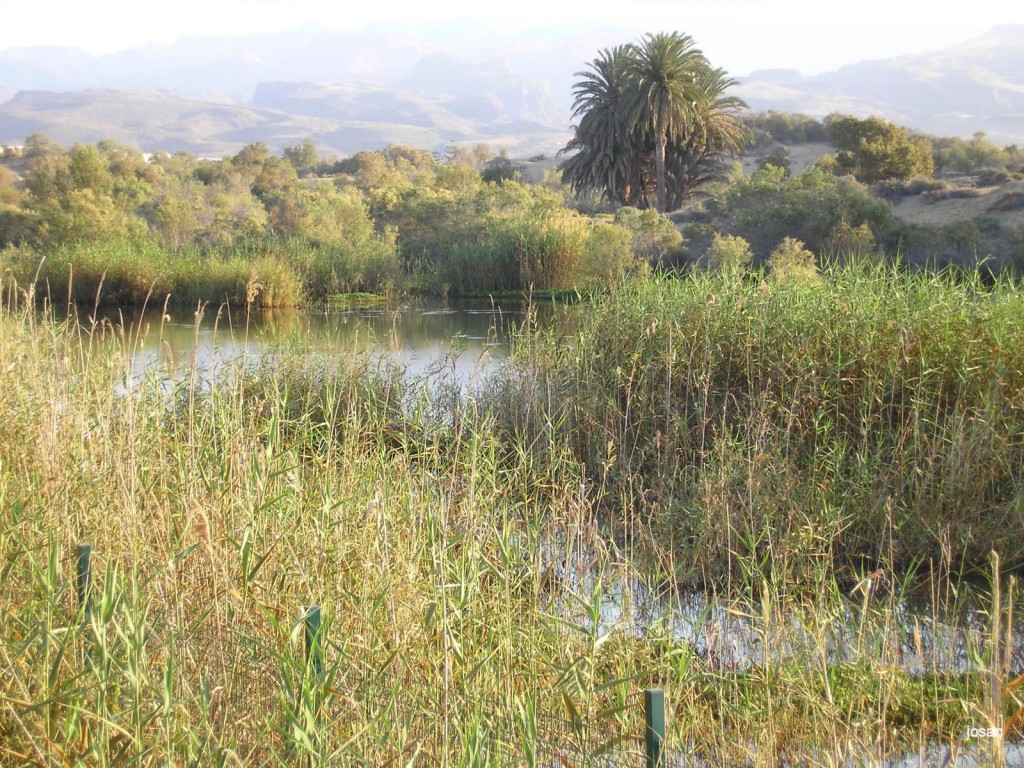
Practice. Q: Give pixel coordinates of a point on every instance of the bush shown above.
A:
(654, 234)
(609, 257)
(778, 158)
(1010, 201)
(767, 207)
(791, 261)
(729, 253)
(845, 240)
(994, 177)
(894, 190)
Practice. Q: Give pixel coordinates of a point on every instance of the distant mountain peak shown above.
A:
(432, 84)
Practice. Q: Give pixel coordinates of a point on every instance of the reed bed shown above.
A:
(865, 418)
(474, 581)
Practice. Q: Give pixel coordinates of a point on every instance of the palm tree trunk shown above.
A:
(659, 170)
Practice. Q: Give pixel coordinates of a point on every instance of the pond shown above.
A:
(452, 341)
(463, 342)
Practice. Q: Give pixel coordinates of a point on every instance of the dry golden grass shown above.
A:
(460, 563)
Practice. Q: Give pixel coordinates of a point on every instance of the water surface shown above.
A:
(461, 342)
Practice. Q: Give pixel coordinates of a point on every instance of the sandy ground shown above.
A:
(924, 209)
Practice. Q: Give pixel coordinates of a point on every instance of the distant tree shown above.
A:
(474, 156)
(252, 155)
(9, 194)
(653, 118)
(498, 170)
(975, 154)
(39, 145)
(88, 169)
(180, 165)
(418, 159)
(771, 127)
(456, 177)
(874, 149)
(276, 173)
(303, 157)
(322, 214)
(174, 219)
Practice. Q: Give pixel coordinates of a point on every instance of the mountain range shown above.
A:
(363, 90)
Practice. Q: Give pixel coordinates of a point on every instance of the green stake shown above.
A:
(84, 579)
(654, 731)
(314, 646)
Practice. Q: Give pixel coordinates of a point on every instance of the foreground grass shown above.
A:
(457, 554)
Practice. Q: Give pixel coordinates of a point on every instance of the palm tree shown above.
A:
(695, 159)
(604, 160)
(653, 118)
(664, 93)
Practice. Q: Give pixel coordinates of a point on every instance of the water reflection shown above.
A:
(908, 632)
(456, 342)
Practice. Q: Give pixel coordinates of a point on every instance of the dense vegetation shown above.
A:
(858, 414)
(789, 423)
(818, 447)
(776, 440)
(105, 223)
(220, 231)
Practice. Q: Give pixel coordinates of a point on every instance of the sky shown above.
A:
(811, 36)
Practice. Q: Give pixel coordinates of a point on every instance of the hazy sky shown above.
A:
(739, 35)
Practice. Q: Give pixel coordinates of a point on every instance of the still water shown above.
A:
(460, 342)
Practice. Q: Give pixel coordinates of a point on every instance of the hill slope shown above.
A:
(975, 86)
(365, 89)
(340, 119)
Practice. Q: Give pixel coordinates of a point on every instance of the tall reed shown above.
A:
(870, 417)
(476, 611)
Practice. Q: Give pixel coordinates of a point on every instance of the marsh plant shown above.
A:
(475, 561)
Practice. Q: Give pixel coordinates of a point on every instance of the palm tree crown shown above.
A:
(658, 97)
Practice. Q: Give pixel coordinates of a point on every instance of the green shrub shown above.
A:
(767, 207)
(654, 234)
(608, 257)
(846, 241)
(792, 261)
(778, 158)
(729, 253)
(994, 177)
(894, 190)
(873, 149)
